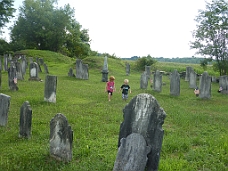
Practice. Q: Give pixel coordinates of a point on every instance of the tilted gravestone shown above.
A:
(61, 138)
(33, 72)
(187, 74)
(45, 68)
(25, 120)
(127, 69)
(143, 81)
(50, 88)
(144, 116)
(223, 82)
(82, 70)
(105, 70)
(4, 108)
(205, 86)
(157, 81)
(12, 77)
(192, 79)
(175, 83)
(19, 71)
(132, 153)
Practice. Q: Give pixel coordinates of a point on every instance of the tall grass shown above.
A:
(195, 129)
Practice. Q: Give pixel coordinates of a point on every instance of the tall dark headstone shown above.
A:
(143, 81)
(4, 109)
(144, 116)
(105, 70)
(175, 83)
(45, 68)
(157, 81)
(71, 73)
(61, 138)
(223, 82)
(12, 77)
(19, 71)
(82, 70)
(25, 120)
(23, 65)
(50, 88)
(205, 86)
(192, 79)
(187, 75)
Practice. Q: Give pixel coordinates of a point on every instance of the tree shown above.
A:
(145, 61)
(211, 35)
(6, 11)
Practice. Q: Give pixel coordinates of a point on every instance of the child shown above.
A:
(110, 87)
(125, 87)
(196, 91)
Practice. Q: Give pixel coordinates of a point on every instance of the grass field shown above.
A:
(196, 129)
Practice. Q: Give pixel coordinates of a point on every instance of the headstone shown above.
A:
(0, 79)
(25, 120)
(71, 73)
(45, 68)
(132, 153)
(23, 65)
(4, 109)
(175, 83)
(157, 81)
(192, 79)
(19, 71)
(143, 81)
(41, 61)
(144, 116)
(127, 69)
(6, 62)
(61, 138)
(50, 88)
(33, 72)
(205, 86)
(12, 77)
(188, 70)
(0, 63)
(30, 60)
(105, 70)
(223, 83)
(82, 70)
(148, 72)
(38, 65)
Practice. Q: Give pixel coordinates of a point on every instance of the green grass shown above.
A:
(195, 129)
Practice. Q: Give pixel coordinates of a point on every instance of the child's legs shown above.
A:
(109, 95)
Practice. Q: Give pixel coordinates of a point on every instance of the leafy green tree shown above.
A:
(211, 35)
(145, 61)
(6, 11)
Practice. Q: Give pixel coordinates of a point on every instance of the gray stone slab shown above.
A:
(4, 108)
(50, 88)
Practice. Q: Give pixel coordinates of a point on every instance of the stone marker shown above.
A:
(19, 71)
(0, 79)
(187, 74)
(105, 70)
(144, 116)
(25, 120)
(33, 72)
(127, 69)
(143, 81)
(148, 72)
(4, 109)
(38, 65)
(192, 79)
(205, 86)
(61, 138)
(157, 81)
(175, 83)
(50, 88)
(82, 70)
(6, 62)
(12, 77)
(23, 65)
(0, 63)
(132, 153)
(71, 73)
(45, 68)
(223, 82)
(30, 60)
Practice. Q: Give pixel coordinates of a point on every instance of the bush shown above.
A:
(145, 61)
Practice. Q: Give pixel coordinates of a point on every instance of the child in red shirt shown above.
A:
(110, 87)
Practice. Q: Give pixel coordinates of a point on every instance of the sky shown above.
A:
(126, 28)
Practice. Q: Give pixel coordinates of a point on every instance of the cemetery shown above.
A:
(55, 115)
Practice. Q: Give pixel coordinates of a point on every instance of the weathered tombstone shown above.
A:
(148, 73)
(38, 64)
(25, 120)
(33, 72)
(143, 115)
(188, 70)
(50, 88)
(223, 83)
(105, 70)
(82, 70)
(127, 69)
(23, 65)
(61, 138)
(157, 81)
(19, 71)
(12, 77)
(71, 73)
(30, 60)
(192, 79)
(6, 62)
(45, 68)
(41, 61)
(4, 109)
(132, 153)
(175, 83)
(205, 86)
(143, 81)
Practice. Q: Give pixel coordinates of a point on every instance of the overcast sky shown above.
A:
(126, 28)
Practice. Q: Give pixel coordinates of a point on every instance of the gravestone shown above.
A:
(71, 73)
(50, 88)
(143, 81)
(143, 115)
(6, 62)
(30, 60)
(19, 71)
(127, 69)
(132, 153)
(148, 73)
(61, 138)
(0, 79)
(205, 86)
(187, 74)
(82, 70)
(38, 65)
(175, 83)
(157, 81)
(223, 82)
(25, 120)
(4, 109)
(12, 77)
(192, 79)
(45, 69)
(105, 70)
(41, 61)
(33, 72)
(0, 63)
(23, 65)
